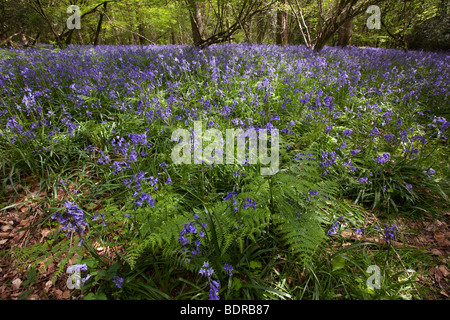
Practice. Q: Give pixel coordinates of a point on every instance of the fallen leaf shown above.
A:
(444, 270)
(6, 235)
(440, 238)
(438, 275)
(6, 227)
(16, 283)
(436, 252)
(58, 294)
(48, 284)
(24, 222)
(66, 294)
(429, 226)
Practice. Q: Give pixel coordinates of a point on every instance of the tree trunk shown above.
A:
(196, 22)
(69, 37)
(174, 38)
(282, 32)
(260, 26)
(324, 36)
(141, 31)
(228, 28)
(249, 30)
(36, 39)
(345, 33)
(99, 25)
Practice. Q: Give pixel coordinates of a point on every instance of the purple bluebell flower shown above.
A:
(381, 159)
(208, 271)
(118, 281)
(228, 268)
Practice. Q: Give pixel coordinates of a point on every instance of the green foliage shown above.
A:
(39, 256)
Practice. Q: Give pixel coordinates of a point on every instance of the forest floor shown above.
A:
(19, 227)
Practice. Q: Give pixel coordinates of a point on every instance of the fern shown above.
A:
(298, 214)
(285, 210)
(162, 238)
(41, 255)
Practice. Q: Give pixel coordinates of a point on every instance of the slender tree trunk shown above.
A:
(134, 39)
(69, 37)
(249, 30)
(99, 25)
(36, 39)
(228, 27)
(174, 39)
(141, 31)
(260, 26)
(282, 32)
(301, 23)
(80, 38)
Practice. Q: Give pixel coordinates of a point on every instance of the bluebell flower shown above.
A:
(214, 291)
(207, 271)
(390, 232)
(118, 281)
(334, 228)
(228, 268)
(381, 159)
(72, 220)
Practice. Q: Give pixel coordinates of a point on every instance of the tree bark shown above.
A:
(196, 21)
(99, 25)
(249, 30)
(345, 33)
(174, 38)
(282, 32)
(261, 29)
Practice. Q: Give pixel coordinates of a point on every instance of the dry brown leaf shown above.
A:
(440, 238)
(48, 284)
(16, 283)
(66, 294)
(51, 268)
(44, 233)
(436, 252)
(4, 235)
(444, 270)
(443, 293)
(24, 222)
(438, 274)
(58, 294)
(429, 226)
(6, 227)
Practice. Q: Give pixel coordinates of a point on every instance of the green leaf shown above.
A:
(236, 284)
(255, 264)
(338, 263)
(89, 296)
(90, 262)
